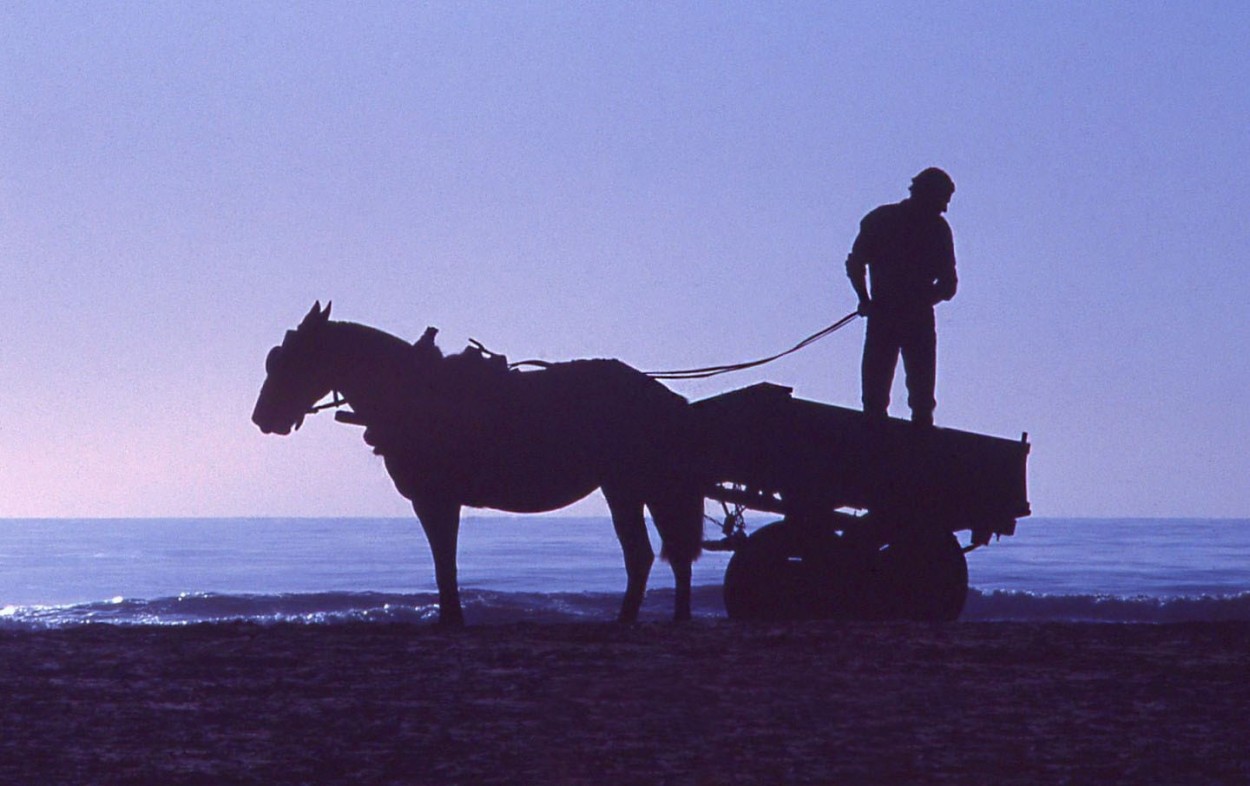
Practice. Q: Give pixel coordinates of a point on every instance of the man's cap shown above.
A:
(933, 180)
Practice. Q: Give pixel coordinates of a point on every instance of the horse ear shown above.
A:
(312, 314)
(316, 315)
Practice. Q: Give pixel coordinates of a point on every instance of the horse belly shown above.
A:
(532, 483)
(550, 439)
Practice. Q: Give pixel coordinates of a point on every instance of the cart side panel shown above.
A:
(821, 456)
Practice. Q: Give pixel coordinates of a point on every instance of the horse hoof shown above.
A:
(450, 622)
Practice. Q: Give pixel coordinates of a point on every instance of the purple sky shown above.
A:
(673, 184)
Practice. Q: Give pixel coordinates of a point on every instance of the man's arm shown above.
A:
(857, 272)
(857, 267)
(947, 282)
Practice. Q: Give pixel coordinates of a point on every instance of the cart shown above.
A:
(869, 508)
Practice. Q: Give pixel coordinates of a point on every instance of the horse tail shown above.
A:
(679, 519)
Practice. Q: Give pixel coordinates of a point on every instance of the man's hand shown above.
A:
(864, 308)
(939, 294)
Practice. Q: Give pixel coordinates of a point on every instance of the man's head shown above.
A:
(932, 188)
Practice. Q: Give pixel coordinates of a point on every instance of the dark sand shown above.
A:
(709, 702)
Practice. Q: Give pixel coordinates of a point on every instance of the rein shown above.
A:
(713, 371)
(338, 401)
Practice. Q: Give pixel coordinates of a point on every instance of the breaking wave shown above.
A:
(1020, 606)
(491, 607)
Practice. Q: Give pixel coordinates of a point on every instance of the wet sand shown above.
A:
(705, 703)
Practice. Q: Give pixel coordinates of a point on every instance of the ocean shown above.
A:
(61, 572)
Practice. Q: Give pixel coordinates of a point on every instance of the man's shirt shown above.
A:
(909, 255)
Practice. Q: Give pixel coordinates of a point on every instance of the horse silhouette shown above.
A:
(465, 430)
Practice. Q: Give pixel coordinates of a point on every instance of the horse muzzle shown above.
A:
(281, 427)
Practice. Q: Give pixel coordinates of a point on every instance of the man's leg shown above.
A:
(919, 348)
(877, 370)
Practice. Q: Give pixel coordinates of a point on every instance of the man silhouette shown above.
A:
(908, 252)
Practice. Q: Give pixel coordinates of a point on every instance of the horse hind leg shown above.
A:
(679, 519)
(631, 531)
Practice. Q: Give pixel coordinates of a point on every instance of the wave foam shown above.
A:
(1003, 605)
(490, 607)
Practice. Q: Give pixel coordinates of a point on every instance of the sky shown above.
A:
(671, 184)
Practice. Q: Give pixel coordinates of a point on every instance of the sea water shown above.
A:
(56, 572)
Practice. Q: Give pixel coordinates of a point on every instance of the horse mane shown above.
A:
(424, 354)
(370, 339)
(422, 389)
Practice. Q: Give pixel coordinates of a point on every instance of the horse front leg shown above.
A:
(441, 522)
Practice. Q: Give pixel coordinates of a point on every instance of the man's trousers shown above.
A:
(913, 335)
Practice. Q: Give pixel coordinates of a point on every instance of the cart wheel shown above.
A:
(786, 571)
(922, 575)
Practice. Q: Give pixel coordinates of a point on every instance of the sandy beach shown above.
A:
(706, 703)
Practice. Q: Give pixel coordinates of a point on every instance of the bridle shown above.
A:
(336, 401)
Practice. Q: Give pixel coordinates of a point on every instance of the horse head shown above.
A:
(296, 375)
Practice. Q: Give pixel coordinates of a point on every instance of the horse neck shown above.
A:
(365, 365)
